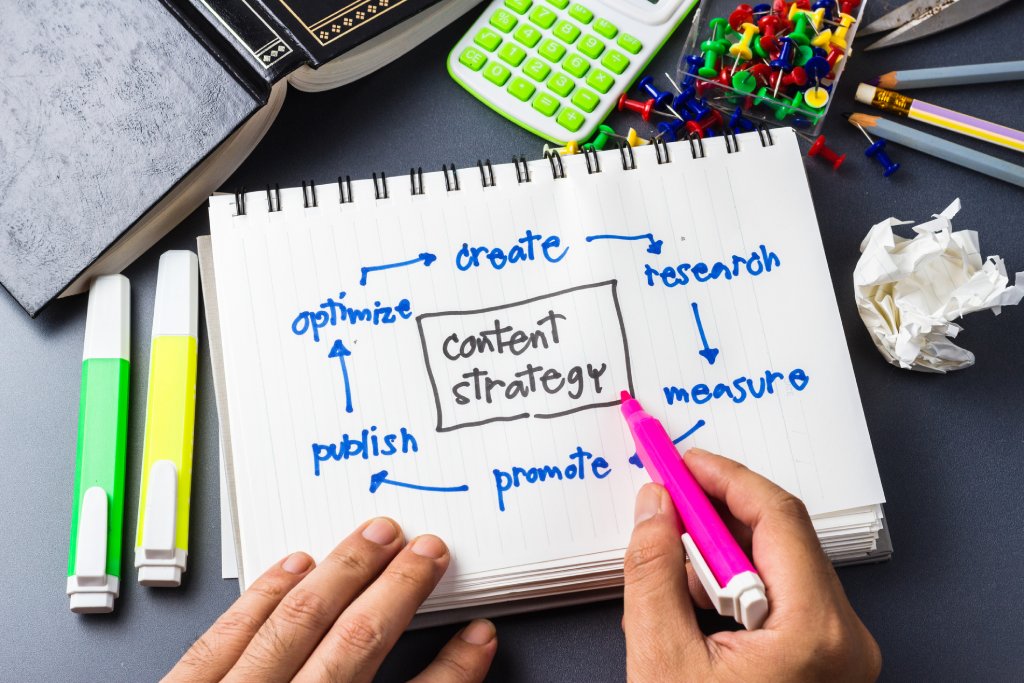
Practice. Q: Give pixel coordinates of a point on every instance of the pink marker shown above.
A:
(727, 575)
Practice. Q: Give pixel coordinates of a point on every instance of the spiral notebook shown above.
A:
(447, 348)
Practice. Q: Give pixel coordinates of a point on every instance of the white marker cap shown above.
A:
(176, 311)
(159, 561)
(744, 598)
(108, 318)
(91, 589)
(866, 93)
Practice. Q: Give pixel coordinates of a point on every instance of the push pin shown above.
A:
(661, 97)
(877, 151)
(820, 149)
(571, 147)
(816, 97)
(671, 129)
(741, 50)
(713, 52)
(642, 108)
(693, 65)
(739, 123)
(697, 108)
(743, 14)
(604, 134)
(633, 139)
(825, 6)
(839, 37)
(704, 127)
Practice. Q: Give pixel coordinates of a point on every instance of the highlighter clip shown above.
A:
(91, 589)
(159, 561)
(743, 598)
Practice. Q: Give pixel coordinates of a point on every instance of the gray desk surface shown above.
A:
(950, 448)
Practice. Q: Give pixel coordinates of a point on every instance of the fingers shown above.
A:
(367, 630)
(786, 550)
(466, 658)
(657, 600)
(295, 627)
(210, 657)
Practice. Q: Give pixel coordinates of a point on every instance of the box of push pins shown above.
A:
(776, 63)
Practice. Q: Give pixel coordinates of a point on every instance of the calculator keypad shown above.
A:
(557, 56)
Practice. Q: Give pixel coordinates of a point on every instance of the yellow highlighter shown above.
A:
(161, 545)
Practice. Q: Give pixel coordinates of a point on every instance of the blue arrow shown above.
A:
(382, 478)
(426, 257)
(340, 352)
(709, 353)
(653, 248)
(635, 459)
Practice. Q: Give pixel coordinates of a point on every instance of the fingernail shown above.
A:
(380, 531)
(648, 503)
(297, 563)
(479, 632)
(429, 546)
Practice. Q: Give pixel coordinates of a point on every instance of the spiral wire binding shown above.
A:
(380, 191)
(700, 145)
(557, 169)
(625, 147)
(484, 179)
(416, 174)
(240, 201)
(310, 199)
(487, 177)
(659, 145)
(453, 184)
(522, 176)
(277, 194)
(342, 199)
(589, 152)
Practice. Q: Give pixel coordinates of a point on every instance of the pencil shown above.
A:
(901, 105)
(943, 149)
(951, 75)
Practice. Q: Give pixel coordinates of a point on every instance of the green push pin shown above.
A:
(720, 28)
(600, 141)
(744, 81)
(759, 51)
(804, 53)
(713, 51)
(791, 108)
(801, 33)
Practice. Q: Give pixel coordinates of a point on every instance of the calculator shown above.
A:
(557, 67)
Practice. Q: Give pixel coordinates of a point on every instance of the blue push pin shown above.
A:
(765, 8)
(697, 108)
(681, 100)
(671, 129)
(826, 5)
(739, 123)
(817, 68)
(693, 62)
(661, 97)
(784, 61)
(877, 151)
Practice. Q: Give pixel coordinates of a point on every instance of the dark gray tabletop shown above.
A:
(950, 448)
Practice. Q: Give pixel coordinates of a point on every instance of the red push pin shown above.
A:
(642, 108)
(762, 72)
(743, 14)
(820, 149)
(701, 127)
(797, 77)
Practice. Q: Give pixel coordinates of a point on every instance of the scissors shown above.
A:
(920, 18)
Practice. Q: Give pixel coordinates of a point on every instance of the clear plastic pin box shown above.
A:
(762, 104)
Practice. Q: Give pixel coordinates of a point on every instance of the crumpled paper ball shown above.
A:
(910, 290)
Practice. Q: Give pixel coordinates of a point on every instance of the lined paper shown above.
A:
(477, 373)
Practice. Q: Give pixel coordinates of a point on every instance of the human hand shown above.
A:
(336, 622)
(811, 633)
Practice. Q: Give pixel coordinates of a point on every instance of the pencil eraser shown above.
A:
(176, 311)
(866, 93)
(108, 318)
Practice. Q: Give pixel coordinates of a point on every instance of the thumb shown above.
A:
(659, 620)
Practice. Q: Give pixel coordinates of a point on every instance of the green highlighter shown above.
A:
(94, 561)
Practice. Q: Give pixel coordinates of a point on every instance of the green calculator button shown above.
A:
(580, 13)
(496, 73)
(614, 61)
(591, 46)
(570, 119)
(536, 69)
(576, 65)
(545, 104)
(512, 53)
(629, 43)
(560, 4)
(487, 39)
(601, 81)
(566, 32)
(503, 21)
(527, 35)
(519, 6)
(521, 89)
(551, 50)
(472, 58)
(561, 84)
(586, 100)
(543, 17)
(606, 28)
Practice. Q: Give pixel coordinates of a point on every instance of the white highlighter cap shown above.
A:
(90, 588)
(159, 561)
(108, 318)
(744, 598)
(176, 311)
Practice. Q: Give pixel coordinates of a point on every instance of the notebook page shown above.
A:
(469, 381)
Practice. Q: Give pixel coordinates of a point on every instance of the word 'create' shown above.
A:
(544, 357)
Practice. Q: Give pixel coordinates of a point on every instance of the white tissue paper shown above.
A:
(909, 291)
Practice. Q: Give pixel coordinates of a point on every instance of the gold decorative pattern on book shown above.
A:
(345, 20)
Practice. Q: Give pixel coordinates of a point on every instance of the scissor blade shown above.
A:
(947, 17)
(913, 11)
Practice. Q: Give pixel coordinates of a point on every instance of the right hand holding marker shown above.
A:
(811, 633)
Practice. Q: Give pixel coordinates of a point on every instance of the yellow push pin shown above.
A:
(741, 50)
(822, 39)
(634, 140)
(839, 37)
(571, 147)
(816, 97)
